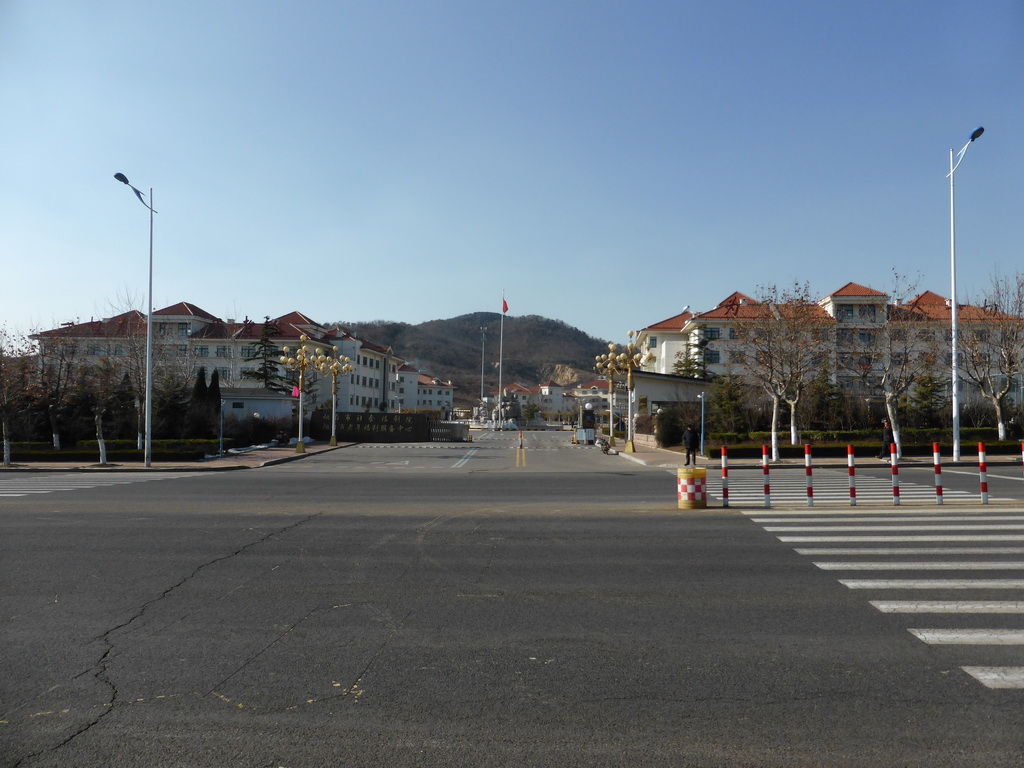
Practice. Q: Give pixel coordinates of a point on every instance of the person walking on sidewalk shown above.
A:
(691, 441)
(887, 439)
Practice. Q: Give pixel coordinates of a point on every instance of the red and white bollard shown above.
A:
(808, 471)
(725, 476)
(767, 482)
(894, 463)
(982, 473)
(937, 461)
(851, 469)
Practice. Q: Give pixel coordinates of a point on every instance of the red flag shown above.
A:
(295, 391)
(504, 305)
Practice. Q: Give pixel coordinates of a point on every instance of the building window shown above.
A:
(712, 356)
(867, 312)
(713, 333)
(183, 329)
(223, 350)
(202, 351)
(844, 311)
(248, 352)
(238, 405)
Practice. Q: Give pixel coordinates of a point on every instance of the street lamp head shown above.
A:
(977, 132)
(122, 178)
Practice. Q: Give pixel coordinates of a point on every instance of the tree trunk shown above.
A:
(794, 436)
(7, 442)
(894, 421)
(99, 436)
(997, 404)
(775, 428)
(138, 422)
(51, 412)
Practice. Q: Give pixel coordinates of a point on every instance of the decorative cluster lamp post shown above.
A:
(305, 356)
(608, 365)
(636, 357)
(337, 365)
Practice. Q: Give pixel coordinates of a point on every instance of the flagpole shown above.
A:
(501, 349)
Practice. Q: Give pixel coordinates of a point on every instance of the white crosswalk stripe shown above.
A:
(25, 484)
(939, 549)
(830, 485)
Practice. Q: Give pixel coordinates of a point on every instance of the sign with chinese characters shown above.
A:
(375, 427)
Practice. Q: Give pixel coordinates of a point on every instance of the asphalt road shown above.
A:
(441, 606)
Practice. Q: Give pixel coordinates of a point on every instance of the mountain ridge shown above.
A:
(535, 349)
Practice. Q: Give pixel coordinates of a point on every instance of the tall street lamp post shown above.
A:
(955, 385)
(700, 396)
(147, 453)
(337, 365)
(304, 357)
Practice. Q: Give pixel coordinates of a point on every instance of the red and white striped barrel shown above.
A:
(851, 469)
(894, 463)
(937, 461)
(982, 473)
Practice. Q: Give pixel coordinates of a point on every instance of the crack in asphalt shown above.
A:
(99, 671)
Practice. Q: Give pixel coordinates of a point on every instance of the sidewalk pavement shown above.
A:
(252, 459)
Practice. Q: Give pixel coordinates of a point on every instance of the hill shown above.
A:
(535, 349)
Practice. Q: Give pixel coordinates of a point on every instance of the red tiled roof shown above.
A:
(853, 289)
(296, 318)
(184, 309)
(674, 323)
(736, 306)
(130, 323)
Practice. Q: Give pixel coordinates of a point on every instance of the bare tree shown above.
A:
(890, 354)
(15, 370)
(992, 344)
(784, 345)
(58, 367)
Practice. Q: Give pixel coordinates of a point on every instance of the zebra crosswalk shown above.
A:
(29, 484)
(746, 488)
(957, 590)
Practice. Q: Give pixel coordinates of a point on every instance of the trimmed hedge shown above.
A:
(121, 451)
(93, 456)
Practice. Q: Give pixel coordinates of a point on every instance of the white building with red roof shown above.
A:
(186, 337)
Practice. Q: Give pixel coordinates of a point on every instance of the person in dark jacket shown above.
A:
(691, 441)
(887, 439)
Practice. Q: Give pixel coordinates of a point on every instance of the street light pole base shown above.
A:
(629, 447)
(334, 440)
(300, 447)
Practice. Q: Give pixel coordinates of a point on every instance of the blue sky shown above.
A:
(603, 163)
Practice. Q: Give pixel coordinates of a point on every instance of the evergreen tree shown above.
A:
(200, 390)
(266, 354)
(213, 392)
